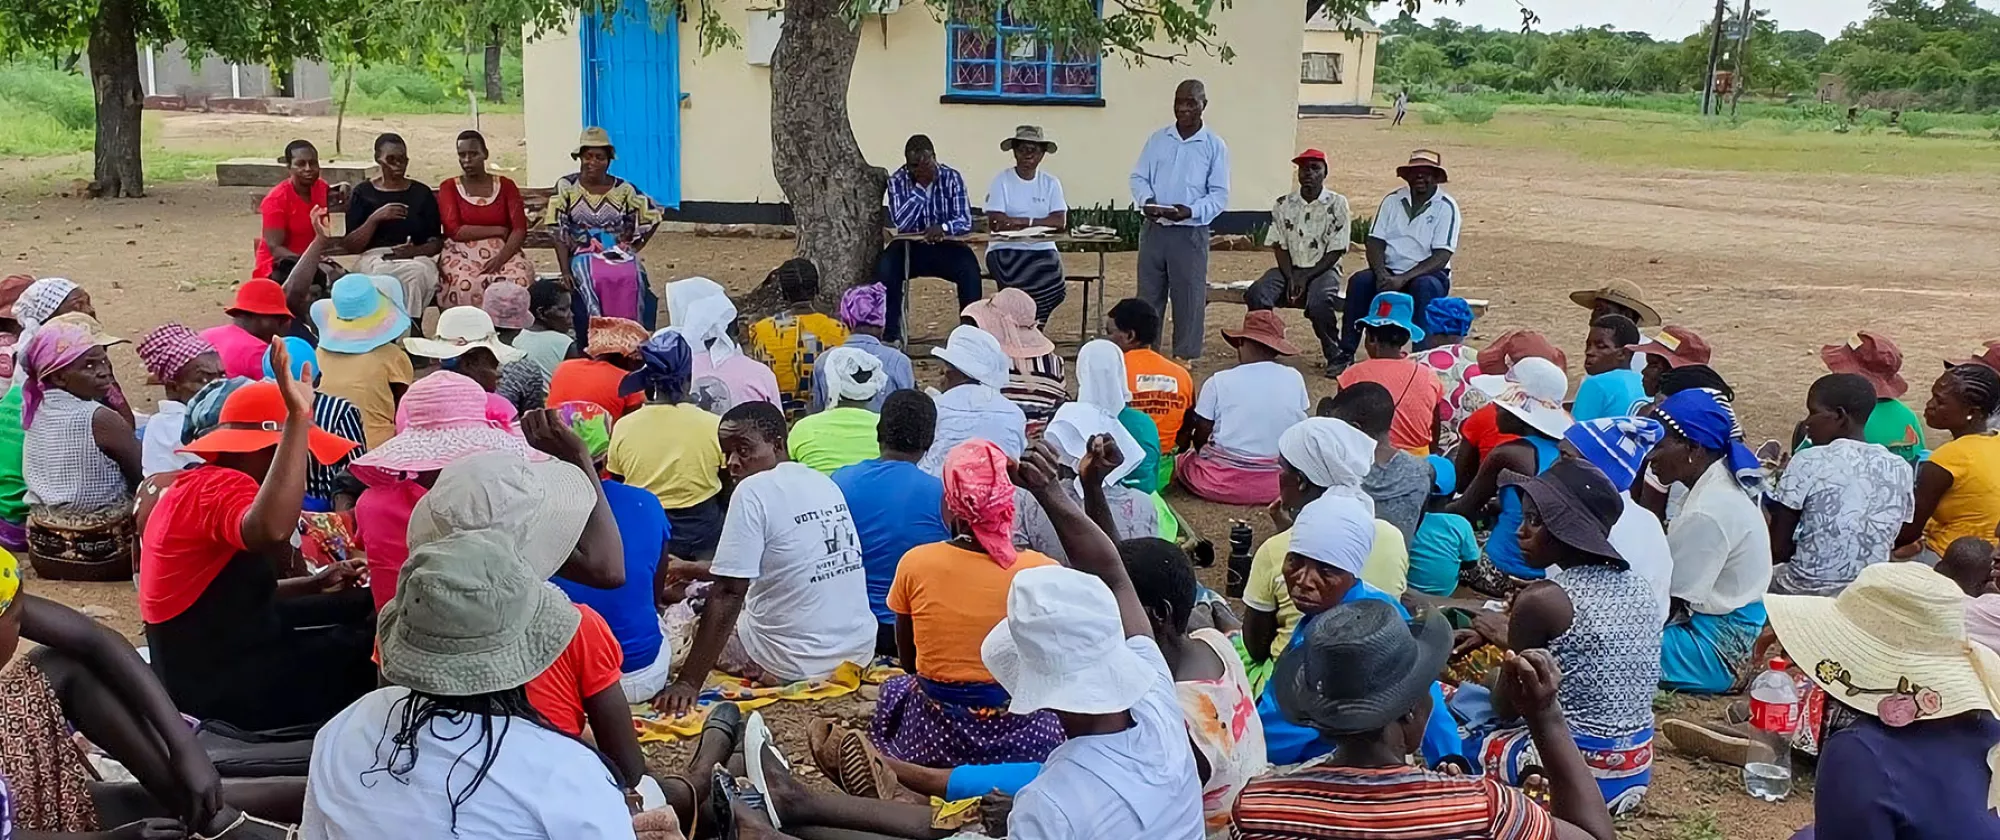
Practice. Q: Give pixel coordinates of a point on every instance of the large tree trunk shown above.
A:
(836, 195)
(495, 90)
(114, 80)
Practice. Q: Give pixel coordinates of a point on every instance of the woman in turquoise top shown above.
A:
(1530, 398)
(1101, 381)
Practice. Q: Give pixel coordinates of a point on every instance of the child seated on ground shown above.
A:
(1241, 413)
(790, 342)
(1413, 388)
(1968, 561)
(1399, 482)
(1610, 387)
(1444, 543)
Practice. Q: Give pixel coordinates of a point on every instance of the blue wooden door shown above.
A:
(632, 89)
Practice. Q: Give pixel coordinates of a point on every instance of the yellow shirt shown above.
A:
(1971, 508)
(790, 344)
(1387, 568)
(364, 380)
(671, 450)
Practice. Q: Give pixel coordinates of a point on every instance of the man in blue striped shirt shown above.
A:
(928, 198)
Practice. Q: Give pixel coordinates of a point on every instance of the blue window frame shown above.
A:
(991, 56)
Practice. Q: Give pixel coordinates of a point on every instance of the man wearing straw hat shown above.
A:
(1410, 246)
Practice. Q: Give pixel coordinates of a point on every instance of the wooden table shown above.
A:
(1100, 245)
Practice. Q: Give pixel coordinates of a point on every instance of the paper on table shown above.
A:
(1026, 232)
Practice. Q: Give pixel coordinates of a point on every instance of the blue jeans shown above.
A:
(953, 261)
(1361, 293)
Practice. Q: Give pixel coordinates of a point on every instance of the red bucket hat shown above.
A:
(1873, 357)
(1515, 345)
(1680, 346)
(1990, 358)
(253, 418)
(261, 296)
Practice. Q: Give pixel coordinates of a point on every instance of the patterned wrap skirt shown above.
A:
(462, 283)
(937, 724)
(1039, 273)
(47, 777)
(1622, 766)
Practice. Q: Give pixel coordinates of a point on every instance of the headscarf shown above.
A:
(590, 422)
(53, 347)
(667, 366)
(852, 373)
(1705, 417)
(865, 306)
(1100, 377)
(1449, 316)
(1688, 377)
(1616, 445)
(978, 493)
(1338, 531)
(302, 353)
(1072, 428)
(682, 294)
(706, 327)
(204, 410)
(1331, 454)
(36, 305)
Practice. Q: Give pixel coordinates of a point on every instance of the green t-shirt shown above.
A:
(835, 438)
(13, 438)
(1893, 425)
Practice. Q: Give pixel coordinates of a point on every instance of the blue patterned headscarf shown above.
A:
(667, 368)
(1616, 445)
(1449, 316)
(1704, 416)
(204, 410)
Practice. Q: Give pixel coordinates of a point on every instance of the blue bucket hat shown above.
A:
(362, 312)
(1444, 475)
(302, 354)
(1394, 309)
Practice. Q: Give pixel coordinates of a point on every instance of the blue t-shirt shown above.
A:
(631, 609)
(1925, 781)
(1609, 394)
(1286, 742)
(896, 507)
(1444, 542)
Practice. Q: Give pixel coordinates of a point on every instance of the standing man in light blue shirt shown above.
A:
(1181, 184)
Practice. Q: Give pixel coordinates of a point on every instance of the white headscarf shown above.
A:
(977, 354)
(1076, 423)
(1332, 455)
(1100, 377)
(705, 324)
(1338, 531)
(843, 366)
(682, 294)
(34, 307)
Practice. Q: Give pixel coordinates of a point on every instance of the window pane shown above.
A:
(971, 44)
(972, 76)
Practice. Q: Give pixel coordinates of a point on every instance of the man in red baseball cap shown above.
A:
(259, 314)
(1308, 236)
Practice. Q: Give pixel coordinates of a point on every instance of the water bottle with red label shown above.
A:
(1774, 715)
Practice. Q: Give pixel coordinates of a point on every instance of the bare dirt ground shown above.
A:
(1767, 267)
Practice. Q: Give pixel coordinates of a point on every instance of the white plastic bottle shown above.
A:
(1774, 714)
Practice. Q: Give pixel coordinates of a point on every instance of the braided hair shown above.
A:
(1979, 384)
(486, 717)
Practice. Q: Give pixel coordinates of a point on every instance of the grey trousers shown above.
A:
(1173, 261)
(1323, 304)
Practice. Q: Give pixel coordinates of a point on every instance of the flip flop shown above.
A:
(755, 736)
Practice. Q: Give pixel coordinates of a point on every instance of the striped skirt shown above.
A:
(1039, 273)
(916, 720)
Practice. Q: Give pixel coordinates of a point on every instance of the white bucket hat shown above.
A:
(1062, 646)
(1893, 644)
(543, 505)
(1532, 390)
(459, 329)
(976, 353)
(468, 619)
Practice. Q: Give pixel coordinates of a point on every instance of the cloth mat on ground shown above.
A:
(846, 679)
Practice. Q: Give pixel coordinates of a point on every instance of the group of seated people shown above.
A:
(440, 565)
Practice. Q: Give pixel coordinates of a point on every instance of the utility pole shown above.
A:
(1708, 104)
(1742, 77)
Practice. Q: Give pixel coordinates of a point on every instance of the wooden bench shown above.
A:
(536, 200)
(1064, 242)
(1234, 293)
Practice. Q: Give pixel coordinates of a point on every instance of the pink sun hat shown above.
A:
(442, 418)
(1009, 316)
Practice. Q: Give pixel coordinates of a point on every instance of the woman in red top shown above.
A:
(484, 225)
(287, 209)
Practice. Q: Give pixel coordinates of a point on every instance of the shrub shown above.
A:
(1920, 123)
(1466, 109)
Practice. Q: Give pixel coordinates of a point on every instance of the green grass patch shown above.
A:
(44, 112)
(1699, 825)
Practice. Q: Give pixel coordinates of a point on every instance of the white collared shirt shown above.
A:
(161, 445)
(1193, 171)
(1408, 240)
(1721, 545)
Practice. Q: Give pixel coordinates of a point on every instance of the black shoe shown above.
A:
(1336, 364)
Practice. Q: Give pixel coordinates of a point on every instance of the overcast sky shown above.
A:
(1665, 19)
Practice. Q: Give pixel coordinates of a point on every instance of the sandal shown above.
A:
(863, 773)
(279, 830)
(822, 745)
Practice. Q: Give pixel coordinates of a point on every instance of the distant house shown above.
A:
(175, 81)
(1337, 65)
(694, 130)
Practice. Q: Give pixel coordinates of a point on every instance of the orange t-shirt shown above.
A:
(954, 597)
(591, 663)
(592, 380)
(1416, 390)
(1481, 430)
(1162, 389)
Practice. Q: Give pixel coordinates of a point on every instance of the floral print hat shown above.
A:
(1892, 645)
